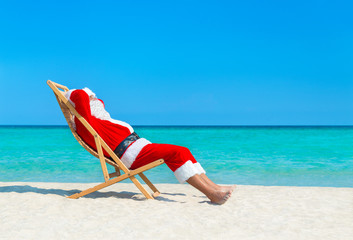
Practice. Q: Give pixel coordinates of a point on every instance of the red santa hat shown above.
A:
(89, 92)
(86, 89)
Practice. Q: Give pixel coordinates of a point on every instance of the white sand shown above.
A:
(41, 211)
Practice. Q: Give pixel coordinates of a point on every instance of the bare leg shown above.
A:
(215, 195)
(216, 186)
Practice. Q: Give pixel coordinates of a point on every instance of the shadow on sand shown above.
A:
(94, 195)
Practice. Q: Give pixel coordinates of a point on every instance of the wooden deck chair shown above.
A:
(69, 112)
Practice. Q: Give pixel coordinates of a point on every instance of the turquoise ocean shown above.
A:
(281, 156)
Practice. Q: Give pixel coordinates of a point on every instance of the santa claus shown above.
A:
(135, 152)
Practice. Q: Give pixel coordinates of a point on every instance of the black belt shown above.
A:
(121, 148)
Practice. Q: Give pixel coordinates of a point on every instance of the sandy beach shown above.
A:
(41, 211)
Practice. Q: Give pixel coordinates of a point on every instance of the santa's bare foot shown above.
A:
(226, 188)
(220, 196)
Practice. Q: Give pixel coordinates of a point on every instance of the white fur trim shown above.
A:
(68, 95)
(199, 168)
(186, 171)
(89, 92)
(133, 150)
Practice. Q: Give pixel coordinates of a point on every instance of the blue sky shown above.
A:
(181, 62)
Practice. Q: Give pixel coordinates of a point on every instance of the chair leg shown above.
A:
(152, 187)
(99, 186)
(130, 175)
(117, 170)
(140, 187)
(90, 190)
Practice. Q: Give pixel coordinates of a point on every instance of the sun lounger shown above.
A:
(110, 178)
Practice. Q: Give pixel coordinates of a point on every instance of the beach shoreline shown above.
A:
(40, 210)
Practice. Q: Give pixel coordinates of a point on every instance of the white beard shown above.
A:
(97, 110)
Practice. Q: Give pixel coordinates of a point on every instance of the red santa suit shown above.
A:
(138, 153)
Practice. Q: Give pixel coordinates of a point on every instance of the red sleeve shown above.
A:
(81, 100)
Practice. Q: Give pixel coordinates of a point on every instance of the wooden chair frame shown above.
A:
(69, 112)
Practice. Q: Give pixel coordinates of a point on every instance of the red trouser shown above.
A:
(174, 156)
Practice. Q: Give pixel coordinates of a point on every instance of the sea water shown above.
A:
(289, 156)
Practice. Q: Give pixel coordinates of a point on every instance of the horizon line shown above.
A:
(238, 125)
